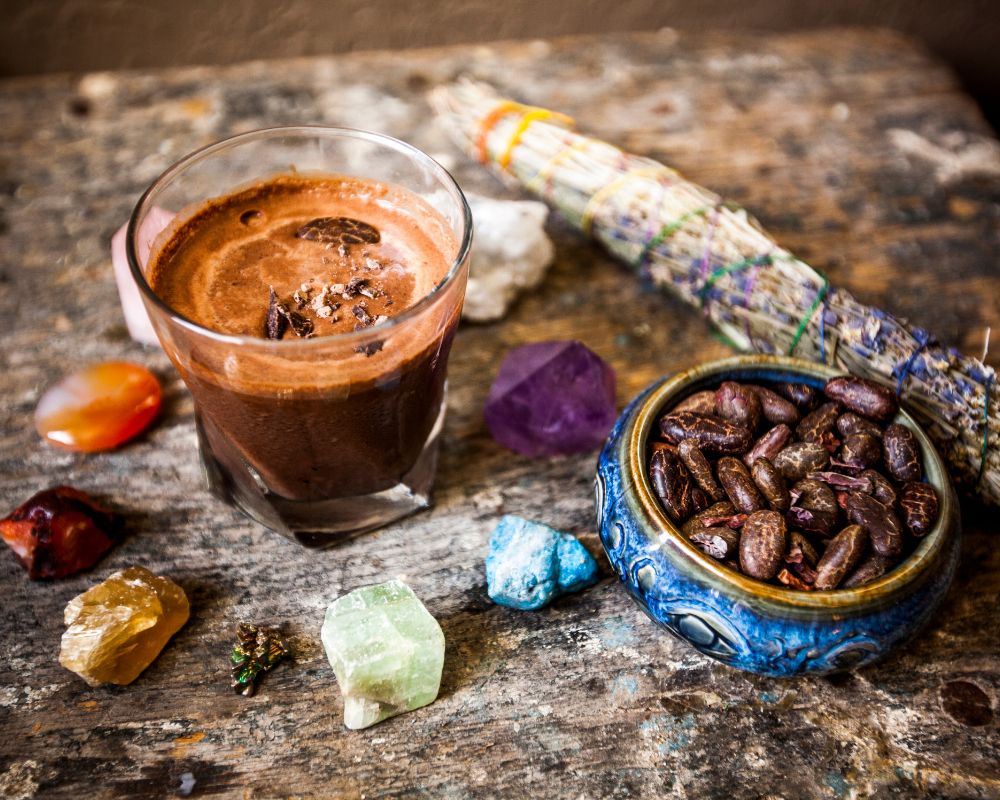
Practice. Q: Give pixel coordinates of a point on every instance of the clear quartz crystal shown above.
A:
(386, 650)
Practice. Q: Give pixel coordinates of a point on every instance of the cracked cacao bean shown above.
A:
(919, 504)
(699, 403)
(711, 434)
(874, 566)
(771, 484)
(860, 450)
(672, 483)
(719, 543)
(881, 523)
(799, 459)
(739, 404)
(776, 409)
(842, 555)
(762, 544)
(769, 445)
(849, 422)
(862, 396)
(817, 425)
(700, 469)
(902, 453)
(739, 486)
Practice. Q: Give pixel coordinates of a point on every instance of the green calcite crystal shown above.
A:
(386, 650)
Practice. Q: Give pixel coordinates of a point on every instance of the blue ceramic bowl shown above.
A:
(740, 621)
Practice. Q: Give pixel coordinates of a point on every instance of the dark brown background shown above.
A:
(39, 36)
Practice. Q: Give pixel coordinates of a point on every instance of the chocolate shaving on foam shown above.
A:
(338, 230)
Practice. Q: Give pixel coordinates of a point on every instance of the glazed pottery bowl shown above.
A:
(740, 621)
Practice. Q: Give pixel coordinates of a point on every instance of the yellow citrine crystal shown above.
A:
(117, 628)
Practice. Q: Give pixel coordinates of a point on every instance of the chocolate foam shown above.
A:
(217, 263)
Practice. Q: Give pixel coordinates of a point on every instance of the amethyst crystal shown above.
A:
(551, 398)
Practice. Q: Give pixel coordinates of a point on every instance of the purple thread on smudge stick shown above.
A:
(706, 256)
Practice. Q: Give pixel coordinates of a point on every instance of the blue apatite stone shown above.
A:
(529, 564)
(577, 568)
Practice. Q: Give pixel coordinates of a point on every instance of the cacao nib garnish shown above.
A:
(364, 318)
(280, 317)
(338, 230)
(354, 286)
(275, 322)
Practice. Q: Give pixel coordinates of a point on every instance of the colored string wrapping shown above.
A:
(820, 294)
(529, 117)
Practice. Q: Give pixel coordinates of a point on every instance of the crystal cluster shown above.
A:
(59, 532)
(511, 254)
(530, 564)
(98, 408)
(256, 651)
(117, 628)
(386, 650)
(551, 398)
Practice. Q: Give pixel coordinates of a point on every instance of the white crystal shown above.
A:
(510, 253)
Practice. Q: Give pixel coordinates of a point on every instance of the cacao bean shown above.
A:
(738, 404)
(842, 555)
(799, 459)
(762, 544)
(874, 566)
(700, 469)
(769, 445)
(816, 425)
(882, 489)
(919, 504)
(800, 550)
(696, 522)
(850, 422)
(711, 434)
(699, 403)
(776, 409)
(799, 393)
(902, 453)
(672, 484)
(719, 543)
(814, 507)
(862, 396)
(881, 523)
(771, 484)
(739, 486)
(861, 450)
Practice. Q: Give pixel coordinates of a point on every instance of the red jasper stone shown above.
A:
(98, 408)
(59, 532)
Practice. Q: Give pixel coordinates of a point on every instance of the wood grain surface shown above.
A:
(854, 147)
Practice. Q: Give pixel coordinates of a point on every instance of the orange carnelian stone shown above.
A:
(99, 407)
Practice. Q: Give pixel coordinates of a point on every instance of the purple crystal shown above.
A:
(551, 398)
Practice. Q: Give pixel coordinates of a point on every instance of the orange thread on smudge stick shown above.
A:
(489, 122)
(529, 117)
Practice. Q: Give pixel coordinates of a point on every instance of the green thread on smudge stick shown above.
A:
(808, 315)
(671, 228)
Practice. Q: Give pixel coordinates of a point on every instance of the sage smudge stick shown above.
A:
(685, 240)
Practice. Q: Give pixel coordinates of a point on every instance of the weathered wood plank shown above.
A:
(586, 698)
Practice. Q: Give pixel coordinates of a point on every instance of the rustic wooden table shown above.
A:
(856, 148)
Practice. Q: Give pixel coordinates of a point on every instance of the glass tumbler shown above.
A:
(316, 438)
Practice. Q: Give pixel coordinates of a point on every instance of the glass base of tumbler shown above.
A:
(318, 524)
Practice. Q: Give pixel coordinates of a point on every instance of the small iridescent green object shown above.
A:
(256, 651)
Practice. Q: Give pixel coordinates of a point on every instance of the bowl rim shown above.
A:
(915, 565)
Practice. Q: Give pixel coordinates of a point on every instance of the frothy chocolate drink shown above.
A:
(340, 254)
(306, 259)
